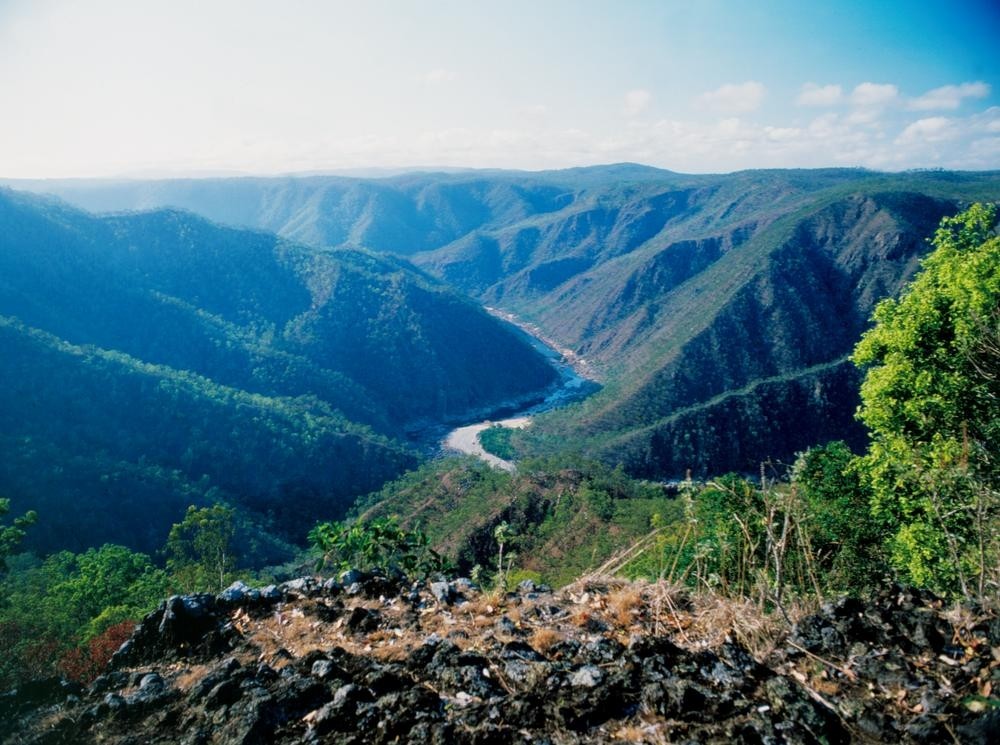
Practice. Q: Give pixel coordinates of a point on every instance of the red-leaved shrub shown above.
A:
(83, 664)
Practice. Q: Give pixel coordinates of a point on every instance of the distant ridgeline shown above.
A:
(156, 360)
(719, 310)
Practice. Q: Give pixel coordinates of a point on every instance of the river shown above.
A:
(575, 382)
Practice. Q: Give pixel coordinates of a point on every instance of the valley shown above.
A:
(485, 373)
(715, 310)
(164, 361)
(662, 324)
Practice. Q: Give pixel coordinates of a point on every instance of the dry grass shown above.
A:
(544, 639)
(393, 652)
(625, 605)
(495, 597)
(187, 678)
(479, 606)
(715, 618)
(581, 616)
(645, 731)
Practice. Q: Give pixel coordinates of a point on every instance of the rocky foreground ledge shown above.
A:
(366, 659)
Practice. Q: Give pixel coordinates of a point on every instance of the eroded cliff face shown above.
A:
(744, 359)
(369, 658)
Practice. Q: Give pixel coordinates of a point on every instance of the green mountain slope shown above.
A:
(285, 460)
(220, 363)
(781, 307)
(677, 289)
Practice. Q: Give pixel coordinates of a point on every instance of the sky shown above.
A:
(108, 88)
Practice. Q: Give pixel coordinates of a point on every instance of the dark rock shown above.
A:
(602, 650)
(235, 593)
(352, 576)
(595, 625)
(926, 729)
(521, 651)
(182, 626)
(464, 585)
(585, 688)
(222, 672)
(36, 693)
(505, 626)
(107, 682)
(363, 620)
(225, 693)
(324, 669)
(984, 730)
(270, 594)
(301, 587)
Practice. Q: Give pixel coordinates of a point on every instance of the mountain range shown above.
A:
(156, 359)
(717, 310)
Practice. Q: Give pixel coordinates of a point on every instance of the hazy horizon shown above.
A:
(114, 89)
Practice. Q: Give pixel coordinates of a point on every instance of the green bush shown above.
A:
(378, 544)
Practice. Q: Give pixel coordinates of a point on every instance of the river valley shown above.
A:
(575, 382)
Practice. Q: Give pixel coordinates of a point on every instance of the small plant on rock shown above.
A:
(381, 544)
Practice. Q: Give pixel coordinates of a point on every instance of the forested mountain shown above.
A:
(717, 309)
(728, 350)
(156, 360)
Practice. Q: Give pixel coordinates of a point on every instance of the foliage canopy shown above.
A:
(931, 401)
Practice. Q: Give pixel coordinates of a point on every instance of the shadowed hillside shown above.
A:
(194, 362)
(703, 302)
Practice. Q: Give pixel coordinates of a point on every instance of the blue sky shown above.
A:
(107, 88)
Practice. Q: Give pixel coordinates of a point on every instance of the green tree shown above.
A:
(930, 400)
(199, 549)
(844, 541)
(104, 587)
(67, 600)
(12, 535)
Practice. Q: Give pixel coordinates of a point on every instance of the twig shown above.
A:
(845, 671)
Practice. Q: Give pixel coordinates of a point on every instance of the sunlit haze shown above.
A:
(127, 87)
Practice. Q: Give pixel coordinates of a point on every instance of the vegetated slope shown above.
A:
(285, 460)
(229, 360)
(745, 359)
(714, 307)
(566, 515)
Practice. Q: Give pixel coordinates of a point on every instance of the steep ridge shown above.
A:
(677, 289)
(257, 312)
(224, 363)
(793, 298)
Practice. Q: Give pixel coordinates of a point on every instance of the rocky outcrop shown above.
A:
(369, 658)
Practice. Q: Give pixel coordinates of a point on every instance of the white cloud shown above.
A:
(874, 94)
(440, 75)
(949, 96)
(819, 95)
(864, 115)
(534, 110)
(636, 101)
(733, 98)
(782, 134)
(932, 129)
